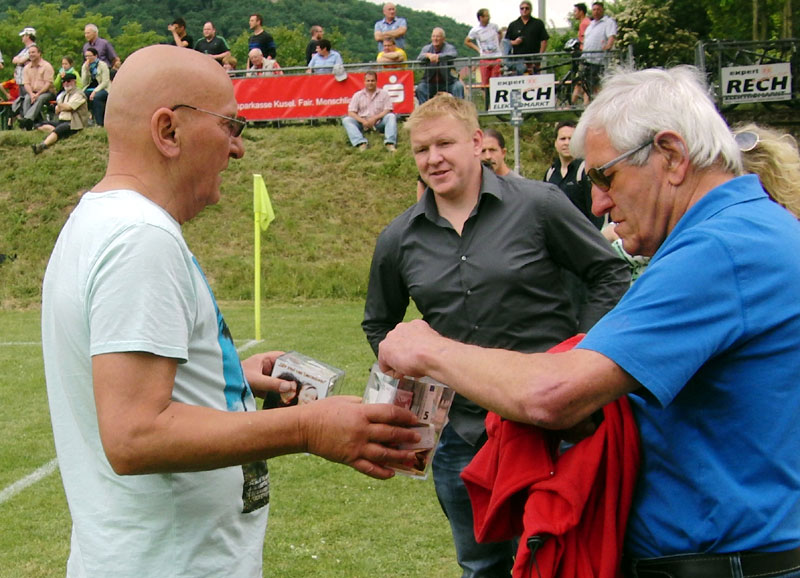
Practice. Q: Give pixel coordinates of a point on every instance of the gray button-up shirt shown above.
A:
(499, 283)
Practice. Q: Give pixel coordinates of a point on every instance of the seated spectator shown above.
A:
(96, 79)
(72, 111)
(325, 58)
(229, 63)
(391, 54)
(179, 35)
(260, 66)
(67, 67)
(37, 79)
(317, 32)
(438, 75)
(493, 153)
(371, 109)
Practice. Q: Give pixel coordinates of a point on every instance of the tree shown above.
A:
(656, 38)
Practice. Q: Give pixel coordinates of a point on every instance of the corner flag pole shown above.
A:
(263, 216)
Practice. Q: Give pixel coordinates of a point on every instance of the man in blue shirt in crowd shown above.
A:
(706, 343)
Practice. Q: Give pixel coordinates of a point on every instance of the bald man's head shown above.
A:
(147, 81)
(168, 127)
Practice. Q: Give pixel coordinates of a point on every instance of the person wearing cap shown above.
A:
(28, 36)
(37, 78)
(72, 111)
(325, 59)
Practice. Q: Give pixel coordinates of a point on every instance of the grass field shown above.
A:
(325, 519)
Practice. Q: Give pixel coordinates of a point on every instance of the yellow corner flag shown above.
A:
(261, 203)
(264, 215)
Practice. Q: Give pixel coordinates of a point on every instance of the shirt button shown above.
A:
(469, 291)
(475, 327)
(463, 257)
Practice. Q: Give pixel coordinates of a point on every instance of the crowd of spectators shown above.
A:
(39, 83)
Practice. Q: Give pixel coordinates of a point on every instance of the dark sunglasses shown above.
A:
(598, 175)
(235, 124)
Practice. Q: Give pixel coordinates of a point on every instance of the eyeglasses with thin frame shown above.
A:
(598, 175)
(235, 124)
(524, 7)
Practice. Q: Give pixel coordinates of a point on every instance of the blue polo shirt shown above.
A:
(712, 332)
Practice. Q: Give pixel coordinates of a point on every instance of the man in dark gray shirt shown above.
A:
(482, 256)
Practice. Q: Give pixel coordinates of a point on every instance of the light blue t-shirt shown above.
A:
(712, 332)
(324, 64)
(121, 279)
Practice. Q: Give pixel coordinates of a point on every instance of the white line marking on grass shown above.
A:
(248, 345)
(28, 480)
(52, 465)
(2, 343)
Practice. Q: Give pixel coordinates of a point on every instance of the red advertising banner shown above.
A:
(315, 95)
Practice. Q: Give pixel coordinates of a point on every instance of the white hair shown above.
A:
(91, 27)
(634, 106)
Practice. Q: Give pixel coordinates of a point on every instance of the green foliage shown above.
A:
(330, 203)
(59, 32)
(133, 38)
(348, 24)
(652, 31)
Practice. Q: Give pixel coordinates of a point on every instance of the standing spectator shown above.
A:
(371, 109)
(260, 38)
(317, 32)
(28, 36)
(481, 257)
(598, 41)
(260, 66)
(325, 58)
(179, 35)
(485, 40)
(391, 54)
(161, 448)
(73, 114)
(493, 153)
(105, 51)
(37, 78)
(391, 27)
(569, 174)
(579, 14)
(528, 36)
(215, 46)
(705, 345)
(438, 72)
(67, 67)
(96, 80)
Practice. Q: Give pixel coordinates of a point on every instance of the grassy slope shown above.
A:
(330, 201)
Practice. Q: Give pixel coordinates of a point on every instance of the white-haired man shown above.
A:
(705, 345)
(105, 51)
